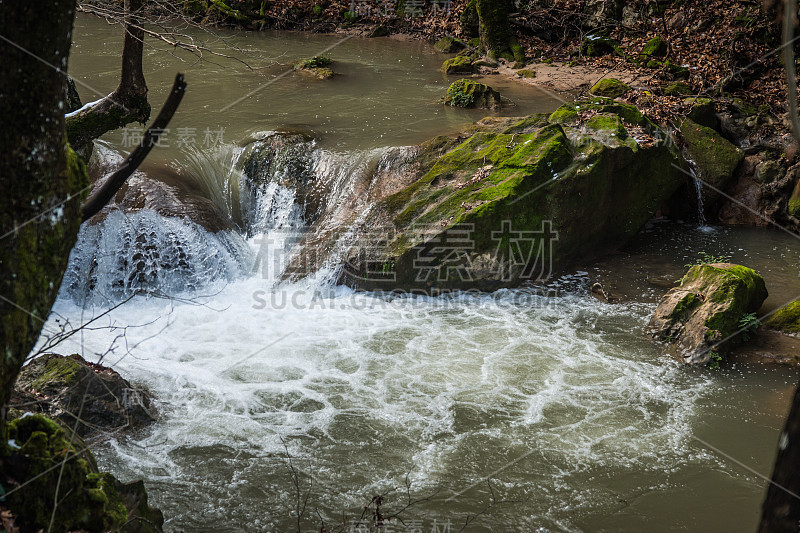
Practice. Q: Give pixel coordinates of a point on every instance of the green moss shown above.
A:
(564, 115)
(313, 62)
(702, 112)
(470, 23)
(715, 156)
(598, 45)
(458, 65)
(448, 45)
(609, 123)
(609, 87)
(677, 89)
(58, 370)
(745, 107)
(495, 31)
(227, 11)
(794, 201)
(786, 319)
(686, 307)
(86, 500)
(468, 93)
(655, 47)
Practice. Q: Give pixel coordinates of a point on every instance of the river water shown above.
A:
(576, 419)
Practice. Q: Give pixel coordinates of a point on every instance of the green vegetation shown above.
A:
(468, 93)
(609, 87)
(458, 65)
(706, 258)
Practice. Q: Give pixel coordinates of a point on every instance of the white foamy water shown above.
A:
(559, 399)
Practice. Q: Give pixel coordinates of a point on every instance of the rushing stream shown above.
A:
(580, 422)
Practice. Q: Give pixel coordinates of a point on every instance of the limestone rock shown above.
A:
(703, 314)
(64, 387)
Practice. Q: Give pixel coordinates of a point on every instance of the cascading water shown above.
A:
(575, 418)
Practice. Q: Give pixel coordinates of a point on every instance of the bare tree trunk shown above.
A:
(42, 179)
(128, 103)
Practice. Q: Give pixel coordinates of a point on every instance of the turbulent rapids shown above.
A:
(546, 408)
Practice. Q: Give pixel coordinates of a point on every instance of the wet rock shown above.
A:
(317, 66)
(378, 31)
(785, 319)
(609, 87)
(743, 203)
(581, 183)
(283, 158)
(715, 157)
(449, 45)
(69, 390)
(704, 314)
(458, 65)
(468, 93)
(44, 461)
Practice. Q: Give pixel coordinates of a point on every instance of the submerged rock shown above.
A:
(45, 465)
(468, 93)
(458, 65)
(704, 314)
(89, 397)
(317, 66)
(449, 45)
(518, 199)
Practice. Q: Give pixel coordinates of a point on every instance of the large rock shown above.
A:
(610, 87)
(786, 319)
(518, 199)
(44, 464)
(69, 389)
(716, 158)
(468, 93)
(703, 315)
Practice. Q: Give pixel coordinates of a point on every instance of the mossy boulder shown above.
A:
(61, 387)
(317, 66)
(655, 47)
(458, 65)
(526, 73)
(379, 31)
(677, 89)
(468, 93)
(702, 316)
(449, 45)
(43, 464)
(786, 319)
(794, 201)
(598, 45)
(525, 197)
(715, 157)
(702, 112)
(609, 87)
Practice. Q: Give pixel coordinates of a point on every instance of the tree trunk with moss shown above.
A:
(128, 103)
(496, 36)
(41, 177)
